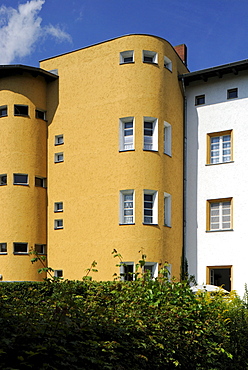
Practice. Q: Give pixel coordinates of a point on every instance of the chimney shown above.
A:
(182, 52)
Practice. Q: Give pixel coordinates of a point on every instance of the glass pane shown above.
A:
(148, 220)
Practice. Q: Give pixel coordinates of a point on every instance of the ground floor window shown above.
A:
(220, 276)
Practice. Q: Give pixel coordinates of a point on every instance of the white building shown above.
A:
(216, 172)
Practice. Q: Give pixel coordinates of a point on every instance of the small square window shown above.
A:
(59, 139)
(200, 99)
(58, 224)
(40, 114)
(20, 110)
(40, 248)
(168, 63)
(21, 248)
(127, 57)
(40, 182)
(3, 247)
(58, 207)
(127, 271)
(150, 57)
(3, 111)
(232, 93)
(151, 270)
(3, 180)
(59, 157)
(20, 179)
(58, 273)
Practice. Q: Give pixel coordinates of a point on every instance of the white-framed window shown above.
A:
(220, 147)
(58, 273)
(58, 207)
(127, 271)
(20, 179)
(168, 268)
(150, 207)
(3, 111)
(58, 157)
(151, 269)
(20, 248)
(167, 138)
(127, 207)
(150, 133)
(220, 214)
(126, 133)
(150, 57)
(59, 139)
(40, 248)
(41, 182)
(167, 63)
(58, 224)
(167, 209)
(3, 248)
(40, 114)
(127, 56)
(3, 179)
(21, 110)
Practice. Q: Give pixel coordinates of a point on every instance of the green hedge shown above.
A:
(120, 325)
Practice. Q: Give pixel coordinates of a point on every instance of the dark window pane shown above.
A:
(21, 110)
(20, 179)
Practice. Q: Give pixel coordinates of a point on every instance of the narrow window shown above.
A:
(58, 224)
(127, 207)
(20, 179)
(40, 114)
(150, 133)
(3, 111)
(167, 209)
(219, 214)
(232, 93)
(20, 248)
(150, 57)
(127, 57)
(59, 139)
(219, 147)
(3, 248)
(58, 207)
(151, 270)
(3, 180)
(167, 138)
(20, 110)
(58, 273)
(59, 157)
(40, 248)
(127, 272)
(200, 99)
(167, 63)
(126, 133)
(150, 207)
(40, 182)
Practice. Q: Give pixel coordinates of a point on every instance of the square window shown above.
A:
(219, 147)
(59, 157)
(58, 273)
(59, 139)
(20, 179)
(150, 57)
(167, 138)
(3, 180)
(200, 99)
(150, 207)
(20, 248)
(151, 270)
(40, 182)
(40, 248)
(3, 111)
(58, 224)
(220, 276)
(150, 133)
(127, 271)
(232, 93)
(126, 133)
(219, 214)
(3, 247)
(20, 110)
(58, 207)
(127, 207)
(167, 209)
(167, 63)
(127, 57)
(40, 114)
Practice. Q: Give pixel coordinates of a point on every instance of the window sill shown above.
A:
(58, 161)
(3, 253)
(167, 226)
(4, 116)
(216, 164)
(126, 63)
(126, 150)
(58, 228)
(17, 183)
(150, 150)
(217, 231)
(20, 253)
(21, 115)
(156, 64)
(3, 184)
(57, 144)
(122, 224)
(145, 223)
(59, 211)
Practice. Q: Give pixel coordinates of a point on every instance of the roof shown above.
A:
(18, 69)
(219, 71)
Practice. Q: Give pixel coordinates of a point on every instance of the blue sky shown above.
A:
(215, 31)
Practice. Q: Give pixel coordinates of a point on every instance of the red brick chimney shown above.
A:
(182, 52)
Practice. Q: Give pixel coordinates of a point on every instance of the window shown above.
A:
(167, 138)
(232, 93)
(219, 147)
(40, 114)
(150, 207)
(40, 248)
(59, 139)
(3, 111)
(127, 272)
(3, 180)
(167, 209)
(150, 57)
(127, 133)
(40, 182)
(3, 247)
(219, 214)
(220, 276)
(20, 110)
(127, 57)
(20, 179)
(58, 273)
(58, 207)
(200, 99)
(59, 157)
(127, 207)
(20, 248)
(150, 133)
(168, 63)
(58, 224)
(151, 269)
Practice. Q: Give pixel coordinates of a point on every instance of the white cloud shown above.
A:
(20, 29)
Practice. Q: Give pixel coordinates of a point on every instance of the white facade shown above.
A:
(216, 214)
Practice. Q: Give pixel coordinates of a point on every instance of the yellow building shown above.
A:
(104, 126)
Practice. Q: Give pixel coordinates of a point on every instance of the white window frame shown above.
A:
(167, 138)
(154, 208)
(167, 63)
(59, 157)
(58, 224)
(123, 217)
(57, 208)
(42, 248)
(3, 248)
(43, 180)
(153, 144)
(58, 273)
(40, 114)
(126, 54)
(124, 146)
(124, 274)
(3, 177)
(20, 183)
(219, 216)
(59, 139)
(152, 267)
(21, 252)
(153, 55)
(167, 209)
(222, 157)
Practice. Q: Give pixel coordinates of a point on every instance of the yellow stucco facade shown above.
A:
(79, 146)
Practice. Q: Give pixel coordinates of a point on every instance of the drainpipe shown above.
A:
(184, 261)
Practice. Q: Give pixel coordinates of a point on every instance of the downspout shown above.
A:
(184, 260)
